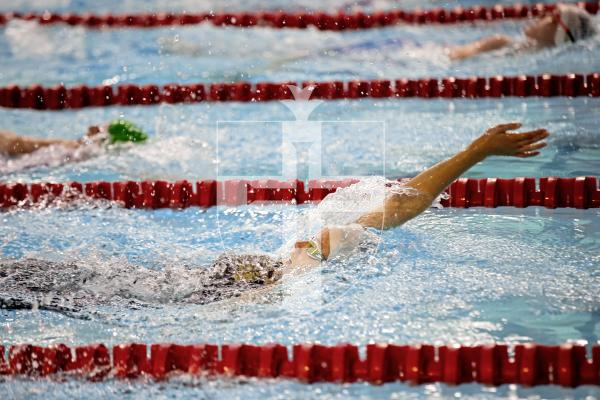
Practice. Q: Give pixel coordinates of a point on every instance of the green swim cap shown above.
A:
(124, 131)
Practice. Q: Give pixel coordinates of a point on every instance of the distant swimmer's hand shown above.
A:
(483, 45)
(498, 141)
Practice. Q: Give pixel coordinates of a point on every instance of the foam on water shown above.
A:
(28, 40)
(348, 204)
(48, 157)
(277, 389)
(466, 276)
(448, 275)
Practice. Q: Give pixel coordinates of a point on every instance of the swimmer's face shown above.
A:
(543, 30)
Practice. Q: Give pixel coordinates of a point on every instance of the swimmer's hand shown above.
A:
(484, 45)
(304, 254)
(331, 241)
(498, 141)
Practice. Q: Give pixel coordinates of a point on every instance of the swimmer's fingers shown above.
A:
(502, 128)
(530, 137)
(527, 154)
(532, 147)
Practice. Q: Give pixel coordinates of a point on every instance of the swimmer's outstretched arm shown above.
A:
(429, 184)
(14, 145)
(484, 45)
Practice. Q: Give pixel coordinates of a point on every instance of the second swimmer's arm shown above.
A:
(14, 145)
(430, 183)
(484, 45)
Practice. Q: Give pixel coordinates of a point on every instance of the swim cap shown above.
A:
(574, 24)
(124, 131)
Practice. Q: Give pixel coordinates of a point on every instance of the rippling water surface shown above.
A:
(203, 53)
(370, 137)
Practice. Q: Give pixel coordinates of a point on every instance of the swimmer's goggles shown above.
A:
(122, 130)
(313, 250)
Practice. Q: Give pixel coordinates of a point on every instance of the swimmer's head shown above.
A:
(125, 131)
(573, 24)
(566, 24)
(96, 135)
(249, 268)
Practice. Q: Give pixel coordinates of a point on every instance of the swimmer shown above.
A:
(418, 195)
(67, 288)
(26, 152)
(566, 24)
(118, 131)
(74, 289)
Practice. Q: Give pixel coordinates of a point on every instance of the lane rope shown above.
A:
(59, 97)
(496, 364)
(299, 20)
(549, 192)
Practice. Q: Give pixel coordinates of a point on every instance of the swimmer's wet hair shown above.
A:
(250, 268)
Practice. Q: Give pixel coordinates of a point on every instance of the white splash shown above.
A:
(29, 39)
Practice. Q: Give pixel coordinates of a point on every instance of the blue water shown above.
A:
(449, 276)
(205, 53)
(416, 133)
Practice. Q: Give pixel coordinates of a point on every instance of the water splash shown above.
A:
(29, 40)
(50, 157)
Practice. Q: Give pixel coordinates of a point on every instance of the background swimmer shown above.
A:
(26, 152)
(117, 131)
(566, 24)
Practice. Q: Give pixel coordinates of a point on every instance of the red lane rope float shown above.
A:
(59, 97)
(550, 192)
(299, 20)
(531, 364)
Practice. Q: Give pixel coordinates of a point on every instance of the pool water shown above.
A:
(75, 55)
(368, 137)
(450, 276)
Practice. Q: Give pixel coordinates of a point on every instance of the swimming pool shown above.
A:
(450, 276)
